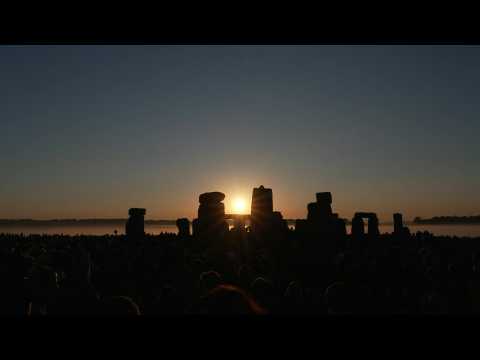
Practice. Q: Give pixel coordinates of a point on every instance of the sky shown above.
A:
(90, 131)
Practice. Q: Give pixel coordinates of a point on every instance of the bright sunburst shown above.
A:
(239, 206)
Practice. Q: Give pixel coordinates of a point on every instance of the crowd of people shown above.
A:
(169, 275)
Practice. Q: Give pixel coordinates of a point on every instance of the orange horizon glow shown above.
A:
(239, 205)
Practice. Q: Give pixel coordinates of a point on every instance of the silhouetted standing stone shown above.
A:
(262, 203)
(261, 217)
(358, 227)
(398, 229)
(279, 225)
(211, 211)
(211, 208)
(278, 219)
(320, 217)
(397, 223)
(211, 215)
(301, 226)
(196, 227)
(322, 233)
(214, 197)
(183, 225)
(373, 226)
(135, 226)
(313, 212)
(341, 226)
(324, 207)
(324, 198)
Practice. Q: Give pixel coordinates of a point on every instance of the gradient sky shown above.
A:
(89, 131)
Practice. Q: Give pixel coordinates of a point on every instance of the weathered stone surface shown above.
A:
(261, 218)
(262, 202)
(183, 226)
(212, 207)
(137, 212)
(211, 197)
(319, 212)
(397, 223)
(341, 227)
(365, 214)
(373, 226)
(300, 225)
(372, 222)
(135, 226)
(324, 198)
(358, 226)
(277, 215)
(195, 227)
(211, 215)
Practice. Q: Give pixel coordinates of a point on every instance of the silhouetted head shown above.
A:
(183, 225)
(209, 280)
(230, 300)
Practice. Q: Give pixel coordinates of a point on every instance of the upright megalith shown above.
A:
(320, 218)
(322, 233)
(358, 227)
(373, 225)
(340, 225)
(262, 203)
(211, 208)
(301, 226)
(398, 229)
(267, 227)
(261, 215)
(211, 215)
(279, 222)
(312, 212)
(324, 204)
(214, 197)
(324, 198)
(397, 223)
(183, 225)
(135, 226)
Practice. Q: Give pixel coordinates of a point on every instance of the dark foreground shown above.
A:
(168, 275)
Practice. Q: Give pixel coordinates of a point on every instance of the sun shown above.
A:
(239, 205)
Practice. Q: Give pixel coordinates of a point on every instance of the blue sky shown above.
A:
(89, 131)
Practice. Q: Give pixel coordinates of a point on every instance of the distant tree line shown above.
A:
(449, 220)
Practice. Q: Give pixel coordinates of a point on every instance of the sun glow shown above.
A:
(239, 206)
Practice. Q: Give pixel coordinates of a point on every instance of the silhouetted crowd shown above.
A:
(262, 268)
(162, 275)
